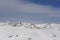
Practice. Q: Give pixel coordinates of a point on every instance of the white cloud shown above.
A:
(14, 5)
(33, 8)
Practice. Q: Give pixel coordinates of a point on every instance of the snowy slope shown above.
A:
(29, 31)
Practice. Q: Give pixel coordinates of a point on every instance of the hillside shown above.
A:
(29, 31)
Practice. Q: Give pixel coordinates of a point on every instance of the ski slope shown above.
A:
(29, 31)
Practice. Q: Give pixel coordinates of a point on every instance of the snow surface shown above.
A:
(29, 31)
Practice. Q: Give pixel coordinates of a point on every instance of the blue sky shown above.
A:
(54, 3)
(35, 11)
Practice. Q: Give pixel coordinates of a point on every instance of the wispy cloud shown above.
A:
(14, 5)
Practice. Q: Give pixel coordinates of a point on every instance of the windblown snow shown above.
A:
(29, 31)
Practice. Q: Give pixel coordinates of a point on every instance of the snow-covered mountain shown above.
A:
(29, 31)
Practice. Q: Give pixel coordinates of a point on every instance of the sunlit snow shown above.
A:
(29, 31)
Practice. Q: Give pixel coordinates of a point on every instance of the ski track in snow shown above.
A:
(29, 31)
